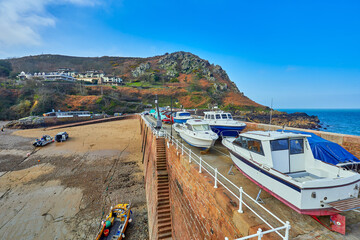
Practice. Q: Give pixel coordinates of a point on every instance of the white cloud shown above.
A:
(20, 20)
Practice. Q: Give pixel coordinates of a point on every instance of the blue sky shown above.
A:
(301, 54)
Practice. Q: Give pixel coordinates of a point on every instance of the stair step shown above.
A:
(163, 188)
(163, 174)
(163, 185)
(164, 220)
(163, 216)
(163, 211)
(161, 165)
(163, 207)
(164, 230)
(164, 225)
(163, 182)
(163, 202)
(165, 236)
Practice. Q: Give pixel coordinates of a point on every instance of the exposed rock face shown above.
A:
(141, 69)
(184, 62)
(298, 120)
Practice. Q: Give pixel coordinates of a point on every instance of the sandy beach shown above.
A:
(63, 190)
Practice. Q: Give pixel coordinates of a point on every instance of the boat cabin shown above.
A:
(197, 125)
(217, 116)
(288, 152)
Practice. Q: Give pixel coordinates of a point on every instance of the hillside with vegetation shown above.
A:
(191, 81)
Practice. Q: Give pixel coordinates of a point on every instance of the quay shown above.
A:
(210, 199)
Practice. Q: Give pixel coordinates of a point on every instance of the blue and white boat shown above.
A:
(181, 117)
(223, 123)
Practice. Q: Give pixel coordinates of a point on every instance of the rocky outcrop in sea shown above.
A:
(297, 120)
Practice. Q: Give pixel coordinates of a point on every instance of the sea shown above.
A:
(345, 121)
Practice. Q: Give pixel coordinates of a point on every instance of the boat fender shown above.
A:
(130, 220)
(123, 235)
(107, 224)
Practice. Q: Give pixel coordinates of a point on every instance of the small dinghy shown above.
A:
(45, 140)
(114, 226)
(197, 133)
(282, 164)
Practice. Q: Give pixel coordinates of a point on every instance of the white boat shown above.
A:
(196, 132)
(282, 163)
(223, 123)
(181, 117)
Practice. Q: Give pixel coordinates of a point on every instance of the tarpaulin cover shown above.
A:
(327, 151)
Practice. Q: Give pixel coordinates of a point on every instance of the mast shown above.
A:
(158, 120)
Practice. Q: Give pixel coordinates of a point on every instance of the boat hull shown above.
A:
(227, 131)
(176, 120)
(288, 193)
(197, 142)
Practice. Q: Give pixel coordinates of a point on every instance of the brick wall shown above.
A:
(349, 142)
(150, 180)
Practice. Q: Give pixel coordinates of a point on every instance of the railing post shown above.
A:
(259, 232)
(200, 165)
(190, 155)
(240, 200)
(216, 171)
(287, 229)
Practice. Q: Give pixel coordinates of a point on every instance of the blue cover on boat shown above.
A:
(327, 151)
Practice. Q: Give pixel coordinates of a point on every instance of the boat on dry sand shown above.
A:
(114, 226)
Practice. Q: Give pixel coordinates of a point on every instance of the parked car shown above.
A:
(46, 139)
(61, 136)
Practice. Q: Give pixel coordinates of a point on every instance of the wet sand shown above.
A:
(63, 190)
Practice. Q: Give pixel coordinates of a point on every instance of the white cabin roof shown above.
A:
(196, 122)
(272, 135)
(214, 112)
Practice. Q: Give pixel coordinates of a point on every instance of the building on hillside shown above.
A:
(50, 76)
(112, 80)
(24, 76)
(68, 114)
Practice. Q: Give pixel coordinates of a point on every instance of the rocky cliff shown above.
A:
(193, 82)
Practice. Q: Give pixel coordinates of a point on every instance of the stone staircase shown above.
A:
(163, 205)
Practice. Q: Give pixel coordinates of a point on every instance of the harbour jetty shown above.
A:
(211, 200)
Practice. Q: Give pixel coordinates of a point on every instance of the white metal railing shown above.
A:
(203, 165)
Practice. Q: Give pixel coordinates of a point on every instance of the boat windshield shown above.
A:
(202, 127)
(250, 144)
(184, 114)
(224, 116)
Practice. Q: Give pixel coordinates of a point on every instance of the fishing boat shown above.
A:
(196, 132)
(223, 123)
(114, 226)
(282, 164)
(181, 117)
